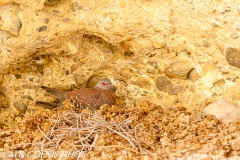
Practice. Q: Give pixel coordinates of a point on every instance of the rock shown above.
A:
(139, 101)
(233, 57)
(193, 75)
(42, 29)
(208, 73)
(165, 85)
(27, 97)
(143, 83)
(236, 144)
(9, 19)
(234, 35)
(179, 69)
(205, 44)
(51, 2)
(223, 110)
(76, 6)
(20, 105)
(233, 91)
(219, 83)
(179, 89)
(18, 76)
(15, 27)
(79, 79)
(128, 54)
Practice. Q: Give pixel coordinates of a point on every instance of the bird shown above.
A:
(93, 98)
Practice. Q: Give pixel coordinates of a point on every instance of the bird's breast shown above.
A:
(108, 97)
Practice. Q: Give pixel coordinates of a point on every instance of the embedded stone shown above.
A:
(219, 83)
(15, 27)
(79, 79)
(179, 69)
(193, 75)
(165, 85)
(42, 29)
(233, 57)
(20, 105)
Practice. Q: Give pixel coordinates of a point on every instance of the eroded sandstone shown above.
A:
(71, 44)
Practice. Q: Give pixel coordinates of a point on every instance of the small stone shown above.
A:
(128, 54)
(219, 83)
(233, 57)
(15, 27)
(236, 144)
(179, 69)
(65, 20)
(27, 97)
(76, 6)
(3, 89)
(165, 85)
(193, 75)
(107, 49)
(79, 79)
(234, 35)
(40, 69)
(205, 44)
(47, 20)
(233, 91)
(20, 105)
(42, 29)
(51, 2)
(18, 76)
(179, 89)
(223, 110)
(143, 83)
(143, 99)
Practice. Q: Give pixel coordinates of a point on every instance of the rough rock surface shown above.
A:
(71, 44)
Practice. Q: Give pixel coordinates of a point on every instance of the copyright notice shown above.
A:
(38, 154)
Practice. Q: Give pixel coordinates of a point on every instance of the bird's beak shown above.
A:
(112, 87)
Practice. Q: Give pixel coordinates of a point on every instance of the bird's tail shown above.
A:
(57, 93)
(47, 104)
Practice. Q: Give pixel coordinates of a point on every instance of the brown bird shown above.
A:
(93, 98)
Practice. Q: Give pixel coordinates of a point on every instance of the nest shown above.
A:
(148, 132)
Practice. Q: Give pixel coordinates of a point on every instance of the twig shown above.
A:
(120, 134)
(43, 133)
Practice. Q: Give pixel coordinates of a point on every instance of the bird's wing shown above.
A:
(86, 97)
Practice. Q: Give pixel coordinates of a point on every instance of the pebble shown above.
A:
(219, 83)
(42, 29)
(79, 79)
(233, 57)
(15, 27)
(20, 105)
(193, 75)
(76, 7)
(178, 69)
(165, 85)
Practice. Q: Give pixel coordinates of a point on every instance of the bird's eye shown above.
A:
(104, 83)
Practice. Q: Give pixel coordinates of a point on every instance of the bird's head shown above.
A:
(105, 84)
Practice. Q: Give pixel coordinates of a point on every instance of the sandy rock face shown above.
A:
(171, 53)
(71, 44)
